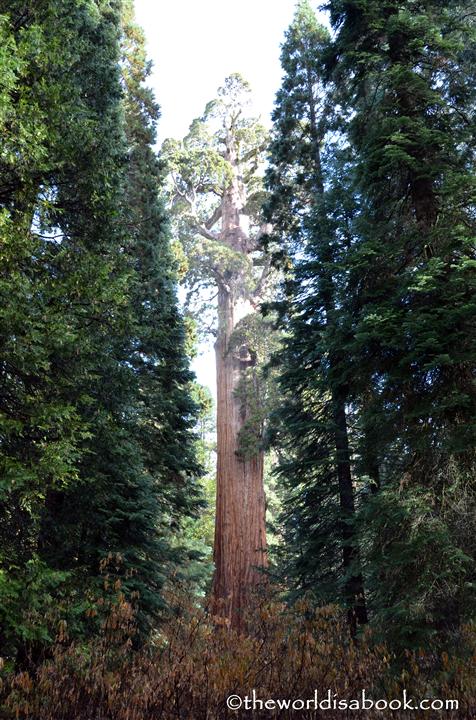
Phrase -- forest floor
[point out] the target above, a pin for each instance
(291, 663)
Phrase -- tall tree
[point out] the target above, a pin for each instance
(308, 214)
(62, 142)
(405, 72)
(96, 444)
(141, 473)
(216, 193)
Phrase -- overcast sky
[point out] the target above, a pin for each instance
(194, 45)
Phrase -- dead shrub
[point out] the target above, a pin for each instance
(195, 662)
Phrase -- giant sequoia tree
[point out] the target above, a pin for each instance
(216, 193)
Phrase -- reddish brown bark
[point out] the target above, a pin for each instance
(240, 534)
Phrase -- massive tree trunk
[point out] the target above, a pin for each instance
(225, 168)
(240, 537)
(240, 534)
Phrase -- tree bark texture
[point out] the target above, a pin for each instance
(240, 531)
(354, 585)
(240, 535)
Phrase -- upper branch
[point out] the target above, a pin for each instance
(214, 218)
(261, 284)
(204, 231)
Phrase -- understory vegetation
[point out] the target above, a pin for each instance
(194, 663)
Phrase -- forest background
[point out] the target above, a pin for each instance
(330, 257)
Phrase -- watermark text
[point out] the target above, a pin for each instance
(332, 702)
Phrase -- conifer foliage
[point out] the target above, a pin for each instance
(96, 449)
(411, 271)
(304, 208)
(373, 203)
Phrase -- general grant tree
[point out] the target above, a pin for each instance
(216, 201)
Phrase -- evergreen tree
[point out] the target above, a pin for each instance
(142, 471)
(160, 351)
(97, 451)
(312, 426)
(405, 72)
(57, 216)
(216, 198)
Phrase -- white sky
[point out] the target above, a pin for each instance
(195, 45)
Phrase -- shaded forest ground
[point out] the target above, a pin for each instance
(190, 668)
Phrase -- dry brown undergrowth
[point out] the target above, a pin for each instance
(194, 664)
